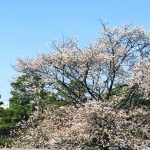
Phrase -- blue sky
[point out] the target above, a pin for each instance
(27, 26)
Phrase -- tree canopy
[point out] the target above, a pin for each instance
(119, 54)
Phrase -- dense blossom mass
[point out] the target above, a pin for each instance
(120, 54)
(94, 125)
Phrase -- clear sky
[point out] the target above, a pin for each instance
(27, 26)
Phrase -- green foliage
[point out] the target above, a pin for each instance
(20, 93)
(54, 100)
(129, 96)
(141, 134)
(10, 116)
(5, 141)
(120, 89)
(72, 92)
(20, 109)
(7, 123)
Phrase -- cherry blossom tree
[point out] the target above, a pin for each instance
(119, 54)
